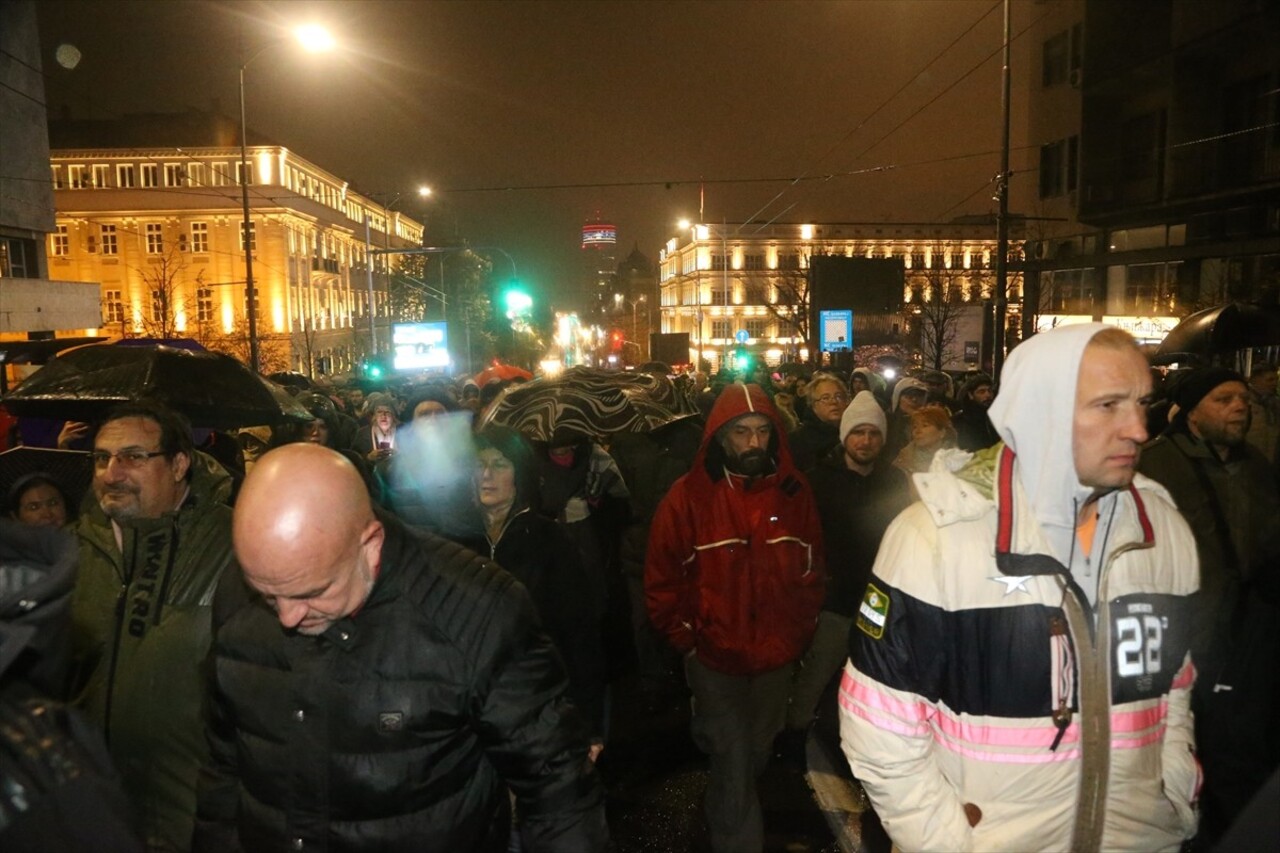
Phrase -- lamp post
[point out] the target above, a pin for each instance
(314, 39)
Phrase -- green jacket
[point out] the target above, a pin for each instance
(141, 632)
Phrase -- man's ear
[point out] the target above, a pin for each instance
(371, 539)
(181, 464)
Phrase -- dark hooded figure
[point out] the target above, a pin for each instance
(974, 430)
(58, 789)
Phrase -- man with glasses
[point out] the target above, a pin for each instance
(153, 544)
(819, 431)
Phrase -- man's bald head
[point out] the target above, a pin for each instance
(306, 536)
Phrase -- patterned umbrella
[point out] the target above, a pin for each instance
(582, 401)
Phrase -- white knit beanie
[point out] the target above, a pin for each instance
(863, 410)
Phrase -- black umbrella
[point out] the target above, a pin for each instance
(1220, 330)
(596, 403)
(212, 390)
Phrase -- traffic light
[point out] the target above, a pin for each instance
(615, 340)
(741, 360)
(372, 369)
(516, 300)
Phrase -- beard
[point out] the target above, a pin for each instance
(750, 463)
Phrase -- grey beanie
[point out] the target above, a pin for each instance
(863, 410)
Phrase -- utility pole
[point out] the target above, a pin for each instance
(1002, 218)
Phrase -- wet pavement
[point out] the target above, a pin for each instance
(655, 775)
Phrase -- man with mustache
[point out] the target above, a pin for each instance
(734, 578)
(153, 544)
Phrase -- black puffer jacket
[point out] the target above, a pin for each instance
(401, 728)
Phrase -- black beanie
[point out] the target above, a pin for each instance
(1191, 388)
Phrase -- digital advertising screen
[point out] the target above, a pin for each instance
(420, 346)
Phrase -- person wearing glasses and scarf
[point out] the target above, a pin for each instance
(819, 430)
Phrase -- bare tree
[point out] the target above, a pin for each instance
(791, 304)
(167, 292)
(938, 305)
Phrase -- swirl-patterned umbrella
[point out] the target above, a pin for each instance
(586, 402)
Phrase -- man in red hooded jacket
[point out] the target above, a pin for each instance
(734, 580)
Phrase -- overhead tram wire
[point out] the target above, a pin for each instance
(867, 118)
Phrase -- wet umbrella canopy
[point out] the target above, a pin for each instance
(597, 403)
(1220, 330)
(212, 390)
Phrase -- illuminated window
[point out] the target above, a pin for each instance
(78, 177)
(126, 176)
(112, 307)
(151, 174)
(195, 174)
(252, 235)
(204, 304)
(61, 242)
(218, 174)
(174, 176)
(101, 175)
(753, 262)
(200, 237)
(240, 174)
(155, 238)
(722, 328)
(108, 235)
(57, 177)
(758, 328)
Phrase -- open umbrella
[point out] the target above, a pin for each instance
(1220, 330)
(501, 372)
(596, 403)
(212, 390)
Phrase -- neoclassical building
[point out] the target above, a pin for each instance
(159, 228)
(722, 283)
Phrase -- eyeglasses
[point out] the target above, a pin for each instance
(125, 458)
(832, 398)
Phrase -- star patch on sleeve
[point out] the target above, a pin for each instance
(874, 612)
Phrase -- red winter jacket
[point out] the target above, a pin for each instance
(734, 569)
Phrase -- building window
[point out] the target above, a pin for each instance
(252, 235)
(1055, 58)
(112, 307)
(110, 246)
(789, 261)
(218, 175)
(77, 177)
(174, 175)
(159, 300)
(241, 173)
(722, 328)
(17, 257)
(200, 237)
(61, 242)
(717, 262)
(757, 328)
(204, 304)
(155, 238)
(101, 175)
(125, 176)
(753, 262)
(1067, 292)
(1142, 146)
(1073, 163)
(1051, 169)
(1149, 289)
(151, 174)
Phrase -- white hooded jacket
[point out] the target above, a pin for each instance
(981, 672)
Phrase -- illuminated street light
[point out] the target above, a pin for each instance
(424, 191)
(313, 38)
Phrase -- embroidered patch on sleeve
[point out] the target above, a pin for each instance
(873, 613)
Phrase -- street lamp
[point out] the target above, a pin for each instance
(313, 38)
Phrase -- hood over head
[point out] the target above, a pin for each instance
(1034, 413)
(906, 383)
(875, 382)
(733, 402)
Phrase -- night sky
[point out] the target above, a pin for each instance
(528, 117)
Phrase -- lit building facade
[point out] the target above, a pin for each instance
(160, 229)
(599, 266)
(759, 296)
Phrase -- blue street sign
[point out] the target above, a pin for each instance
(741, 336)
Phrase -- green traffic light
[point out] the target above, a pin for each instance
(517, 301)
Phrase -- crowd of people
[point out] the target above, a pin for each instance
(1034, 615)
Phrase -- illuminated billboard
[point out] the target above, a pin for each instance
(599, 234)
(420, 346)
